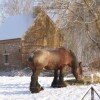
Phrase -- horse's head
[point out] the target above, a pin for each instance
(76, 67)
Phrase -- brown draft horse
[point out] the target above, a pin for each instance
(57, 59)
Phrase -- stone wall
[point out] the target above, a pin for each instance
(10, 54)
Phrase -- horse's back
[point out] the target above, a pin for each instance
(47, 58)
(40, 57)
(51, 58)
(65, 57)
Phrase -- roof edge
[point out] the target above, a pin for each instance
(10, 39)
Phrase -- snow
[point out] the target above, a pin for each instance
(17, 88)
(15, 26)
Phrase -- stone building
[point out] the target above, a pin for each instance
(22, 34)
(10, 54)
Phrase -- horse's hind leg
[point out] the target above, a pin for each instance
(61, 82)
(55, 80)
(34, 85)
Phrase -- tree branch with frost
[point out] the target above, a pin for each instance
(96, 16)
(91, 38)
(13, 7)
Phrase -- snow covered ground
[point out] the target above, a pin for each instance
(17, 88)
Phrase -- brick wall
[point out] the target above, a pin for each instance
(10, 54)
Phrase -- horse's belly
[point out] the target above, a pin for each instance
(50, 65)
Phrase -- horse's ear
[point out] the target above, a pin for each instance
(80, 63)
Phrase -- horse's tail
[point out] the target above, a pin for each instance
(30, 58)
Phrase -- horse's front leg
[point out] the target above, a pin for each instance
(61, 82)
(55, 80)
(34, 85)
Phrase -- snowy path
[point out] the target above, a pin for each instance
(17, 88)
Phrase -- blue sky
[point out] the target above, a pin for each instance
(15, 26)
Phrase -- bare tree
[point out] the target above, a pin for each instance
(79, 21)
(13, 7)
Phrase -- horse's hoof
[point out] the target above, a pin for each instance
(54, 86)
(35, 89)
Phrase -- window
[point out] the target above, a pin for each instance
(6, 58)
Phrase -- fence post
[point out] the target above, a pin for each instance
(92, 93)
(93, 90)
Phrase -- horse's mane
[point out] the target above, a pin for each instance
(75, 61)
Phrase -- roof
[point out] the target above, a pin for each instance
(15, 26)
(9, 40)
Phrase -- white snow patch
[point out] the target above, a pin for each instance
(17, 88)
